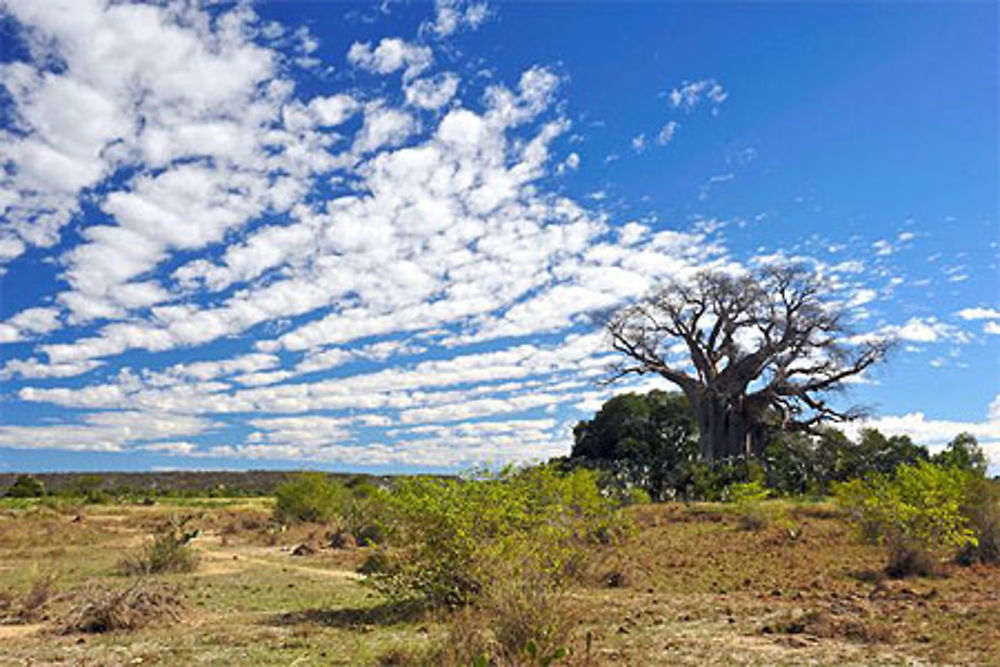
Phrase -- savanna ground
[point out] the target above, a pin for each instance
(690, 586)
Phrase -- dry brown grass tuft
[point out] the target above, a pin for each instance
(32, 606)
(104, 610)
(907, 559)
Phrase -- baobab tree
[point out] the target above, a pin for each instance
(763, 348)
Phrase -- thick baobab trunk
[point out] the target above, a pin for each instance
(724, 429)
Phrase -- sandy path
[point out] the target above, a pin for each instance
(225, 560)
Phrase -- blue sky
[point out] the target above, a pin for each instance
(368, 236)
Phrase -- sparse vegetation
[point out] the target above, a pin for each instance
(169, 551)
(29, 607)
(682, 587)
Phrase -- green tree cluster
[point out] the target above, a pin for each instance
(644, 440)
(26, 486)
(650, 441)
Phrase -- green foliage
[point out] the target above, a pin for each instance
(642, 440)
(309, 496)
(748, 502)
(876, 452)
(452, 535)
(650, 441)
(799, 464)
(89, 487)
(364, 512)
(170, 551)
(982, 507)
(964, 453)
(26, 486)
(793, 464)
(743, 494)
(916, 509)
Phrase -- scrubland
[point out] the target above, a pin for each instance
(667, 583)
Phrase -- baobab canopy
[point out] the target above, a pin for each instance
(743, 348)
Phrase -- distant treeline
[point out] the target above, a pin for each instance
(219, 483)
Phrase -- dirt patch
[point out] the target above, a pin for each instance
(826, 624)
(20, 631)
(224, 560)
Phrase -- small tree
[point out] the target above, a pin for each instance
(773, 342)
(878, 453)
(964, 453)
(309, 496)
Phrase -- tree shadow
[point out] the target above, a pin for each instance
(385, 614)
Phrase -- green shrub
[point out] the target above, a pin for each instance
(170, 551)
(982, 507)
(364, 513)
(309, 496)
(89, 487)
(26, 486)
(451, 535)
(963, 452)
(748, 502)
(915, 512)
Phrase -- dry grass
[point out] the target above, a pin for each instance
(132, 608)
(30, 607)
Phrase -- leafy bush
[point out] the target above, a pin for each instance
(309, 496)
(982, 507)
(915, 512)
(451, 535)
(26, 486)
(364, 513)
(89, 487)
(170, 551)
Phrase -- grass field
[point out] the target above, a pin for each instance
(690, 587)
